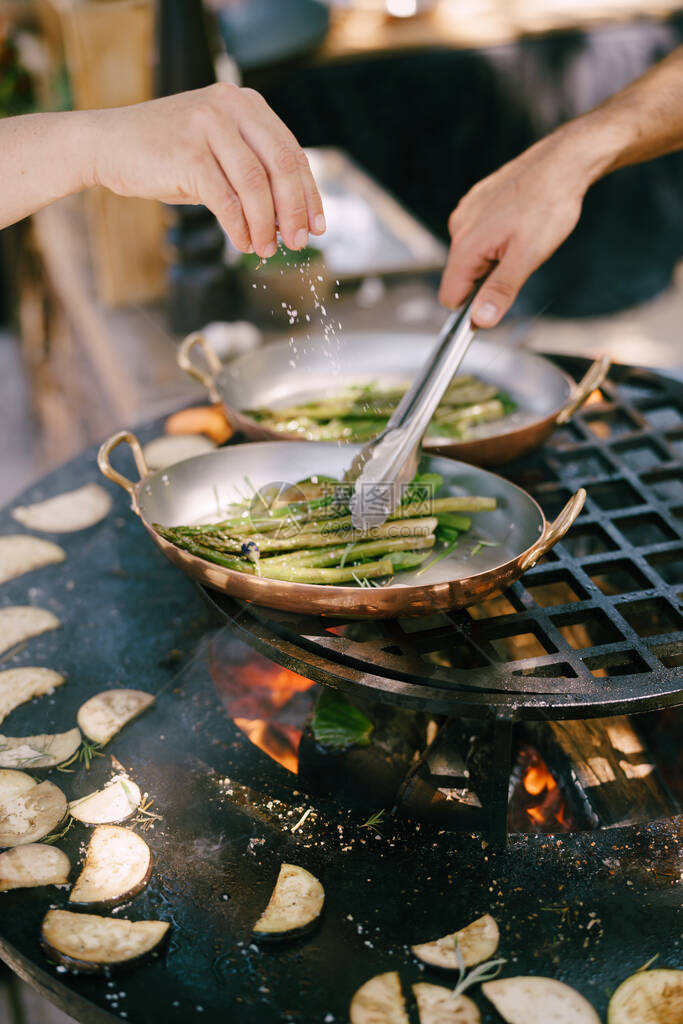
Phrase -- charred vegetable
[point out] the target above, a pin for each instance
(66, 513)
(539, 1001)
(36, 864)
(360, 412)
(20, 553)
(168, 449)
(18, 685)
(21, 622)
(117, 802)
(104, 715)
(30, 812)
(294, 906)
(118, 865)
(439, 1005)
(379, 1001)
(475, 943)
(14, 784)
(91, 944)
(648, 997)
(313, 541)
(45, 751)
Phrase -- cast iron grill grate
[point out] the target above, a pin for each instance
(595, 629)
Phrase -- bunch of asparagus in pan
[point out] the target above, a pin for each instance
(360, 412)
(312, 539)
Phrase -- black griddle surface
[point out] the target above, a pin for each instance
(588, 909)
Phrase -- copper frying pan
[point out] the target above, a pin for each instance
(274, 376)
(195, 490)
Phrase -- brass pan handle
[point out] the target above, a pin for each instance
(186, 363)
(108, 470)
(554, 531)
(592, 379)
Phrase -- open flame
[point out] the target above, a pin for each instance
(539, 795)
(268, 703)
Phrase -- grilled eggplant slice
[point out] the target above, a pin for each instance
(13, 784)
(104, 715)
(91, 944)
(44, 751)
(21, 622)
(29, 816)
(20, 553)
(294, 906)
(117, 866)
(439, 1005)
(66, 513)
(17, 685)
(532, 1000)
(477, 942)
(117, 802)
(165, 451)
(379, 1001)
(36, 864)
(648, 997)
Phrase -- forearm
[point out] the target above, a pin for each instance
(643, 121)
(43, 157)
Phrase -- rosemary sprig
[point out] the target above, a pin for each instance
(443, 554)
(56, 836)
(483, 544)
(85, 754)
(648, 963)
(374, 821)
(145, 818)
(482, 972)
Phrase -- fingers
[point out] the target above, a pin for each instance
(501, 287)
(297, 200)
(314, 203)
(463, 269)
(248, 177)
(215, 192)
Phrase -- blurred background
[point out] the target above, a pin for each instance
(404, 105)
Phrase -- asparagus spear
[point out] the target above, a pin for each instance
(350, 553)
(307, 574)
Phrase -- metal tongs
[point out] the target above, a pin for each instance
(387, 464)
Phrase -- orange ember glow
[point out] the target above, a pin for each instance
(548, 809)
(281, 742)
(268, 704)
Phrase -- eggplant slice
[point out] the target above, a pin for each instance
(294, 906)
(28, 866)
(13, 784)
(20, 553)
(68, 512)
(105, 714)
(439, 1005)
(532, 1000)
(21, 622)
(117, 802)
(648, 997)
(47, 750)
(118, 865)
(477, 942)
(32, 815)
(18, 685)
(91, 944)
(166, 450)
(379, 1001)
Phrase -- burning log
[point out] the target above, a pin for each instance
(607, 766)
